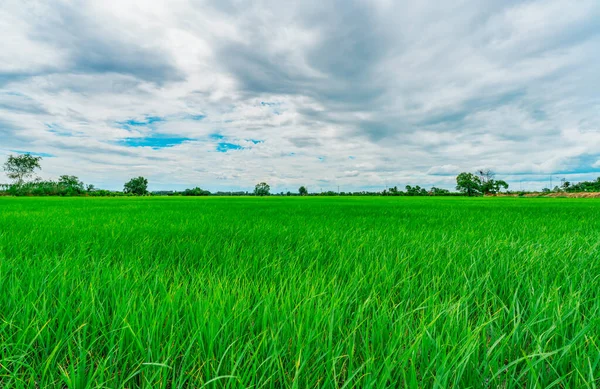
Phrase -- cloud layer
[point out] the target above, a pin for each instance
(360, 94)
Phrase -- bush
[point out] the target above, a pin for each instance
(195, 192)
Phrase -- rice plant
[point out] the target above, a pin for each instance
(299, 293)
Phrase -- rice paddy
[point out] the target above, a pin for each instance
(299, 293)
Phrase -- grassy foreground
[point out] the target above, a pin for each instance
(299, 293)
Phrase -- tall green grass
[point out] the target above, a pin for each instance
(299, 293)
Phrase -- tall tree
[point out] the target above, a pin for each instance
(303, 191)
(262, 189)
(468, 183)
(499, 185)
(20, 167)
(71, 184)
(486, 179)
(137, 186)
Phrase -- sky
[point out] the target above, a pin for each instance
(224, 94)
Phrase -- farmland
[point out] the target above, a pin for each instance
(299, 292)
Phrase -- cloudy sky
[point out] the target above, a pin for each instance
(223, 94)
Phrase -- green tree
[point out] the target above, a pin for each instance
(438, 191)
(20, 167)
(303, 191)
(486, 180)
(197, 191)
(489, 185)
(468, 183)
(262, 189)
(415, 191)
(394, 191)
(71, 185)
(137, 186)
(499, 185)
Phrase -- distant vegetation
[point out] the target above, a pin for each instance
(21, 170)
(137, 186)
(584, 186)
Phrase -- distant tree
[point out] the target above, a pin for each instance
(486, 175)
(20, 167)
(90, 188)
(489, 185)
(137, 186)
(71, 185)
(584, 186)
(394, 191)
(415, 191)
(468, 183)
(438, 191)
(498, 185)
(546, 190)
(486, 180)
(303, 191)
(196, 192)
(262, 189)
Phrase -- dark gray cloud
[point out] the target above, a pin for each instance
(94, 46)
(340, 67)
(304, 141)
(16, 102)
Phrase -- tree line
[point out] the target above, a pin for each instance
(21, 169)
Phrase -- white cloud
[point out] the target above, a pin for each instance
(352, 93)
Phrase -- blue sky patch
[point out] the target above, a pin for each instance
(255, 141)
(216, 136)
(57, 130)
(195, 117)
(154, 142)
(224, 147)
(43, 155)
(148, 121)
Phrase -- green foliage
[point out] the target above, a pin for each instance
(303, 191)
(20, 167)
(499, 185)
(42, 188)
(468, 183)
(299, 292)
(438, 191)
(488, 184)
(393, 191)
(416, 191)
(481, 183)
(137, 186)
(71, 185)
(262, 189)
(195, 192)
(584, 186)
(66, 186)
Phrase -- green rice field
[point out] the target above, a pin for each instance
(299, 292)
